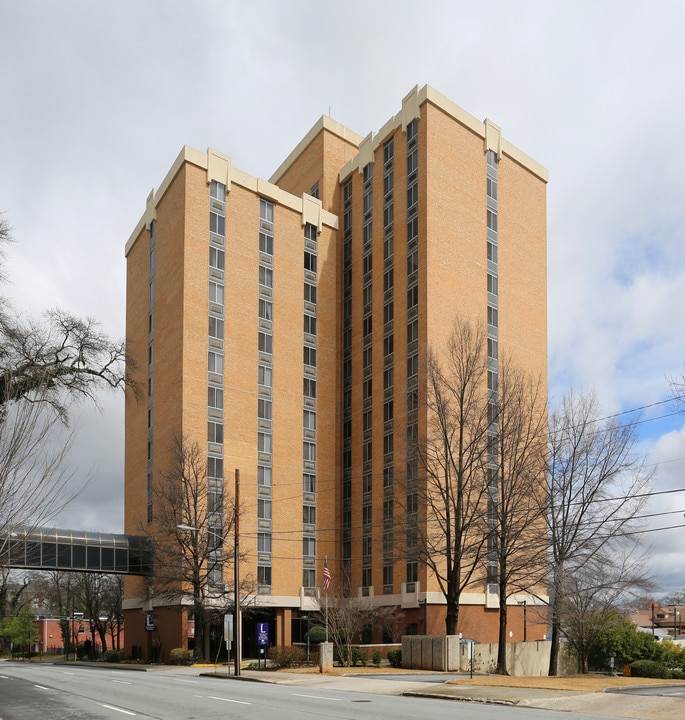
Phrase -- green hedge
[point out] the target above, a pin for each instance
(395, 658)
(649, 669)
(180, 656)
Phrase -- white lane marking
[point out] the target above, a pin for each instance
(112, 707)
(122, 682)
(64, 672)
(192, 682)
(239, 702)
(41, 687)
(4, 677)
(318, 697)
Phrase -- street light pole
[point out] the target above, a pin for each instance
(236, 573)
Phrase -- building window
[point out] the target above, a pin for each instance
(309, 451)
(412, 262)
(264, 476)
(263, 509)
(266, 243)
(216, 293)
(265, 342)
(217, 224)
(264, 375)
(309, 420)
(412, 365)
(388, 378)
(388, 279)
(215, 397)
(388, 411)
(412, 297)
(367, 451)
(266, 276)
(310, 293)
(492, 316)
(367, 388)
(215, 362)
(215, 467)
(310, 324)
(309, 577)
(215, 432)
(263, 575)
(387, 444)
(309, 261)
(264, 442)
(264, 409)
(309, 388)
(309, 482)
(309, 515)
(412, 331)
(216, 258)
(216, 327)
(264, 542)
(309, 546)
(366, 577)
(266, 210)
(492, 284)
(265, 310)
(309, 356)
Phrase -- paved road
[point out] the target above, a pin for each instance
(58, 692)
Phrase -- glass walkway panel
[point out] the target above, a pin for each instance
(53, 549)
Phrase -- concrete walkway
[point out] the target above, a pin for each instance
(614, 704)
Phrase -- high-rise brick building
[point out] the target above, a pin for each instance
(284, 325)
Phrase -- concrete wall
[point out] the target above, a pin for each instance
(444, 653)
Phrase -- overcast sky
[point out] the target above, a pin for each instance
(97, 99)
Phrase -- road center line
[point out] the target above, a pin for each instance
(122, 682)
(112, 707)
(240, 702)
(41, 687)
(318, 697)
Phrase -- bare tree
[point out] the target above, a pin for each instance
(44, 367)
(100, 596)
(593, 599)
(446, 507)
(517, 491)
(348, 618)
(595, 478)
(35, 480)
(191, 534)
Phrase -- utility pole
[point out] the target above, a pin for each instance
(236, 572)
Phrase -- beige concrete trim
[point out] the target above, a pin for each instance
(325, 122)
(525, 160)
(411, 109)
(311, 211)
(493, 138)
(219, 168)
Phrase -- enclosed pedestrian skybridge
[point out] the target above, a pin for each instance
(74, 550)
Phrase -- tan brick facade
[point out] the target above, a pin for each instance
(451, 281)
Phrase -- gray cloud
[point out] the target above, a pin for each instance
(100, 98)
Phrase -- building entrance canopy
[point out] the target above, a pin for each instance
(53, 549)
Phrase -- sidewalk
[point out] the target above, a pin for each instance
(624, 705)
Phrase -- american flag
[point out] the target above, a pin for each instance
(326, 575)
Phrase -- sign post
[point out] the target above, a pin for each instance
(262, 641)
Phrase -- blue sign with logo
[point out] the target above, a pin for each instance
(262, 634)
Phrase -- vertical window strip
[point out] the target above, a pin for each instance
(309, 411)
(412, 224)
(265, 323)
(492, 310)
